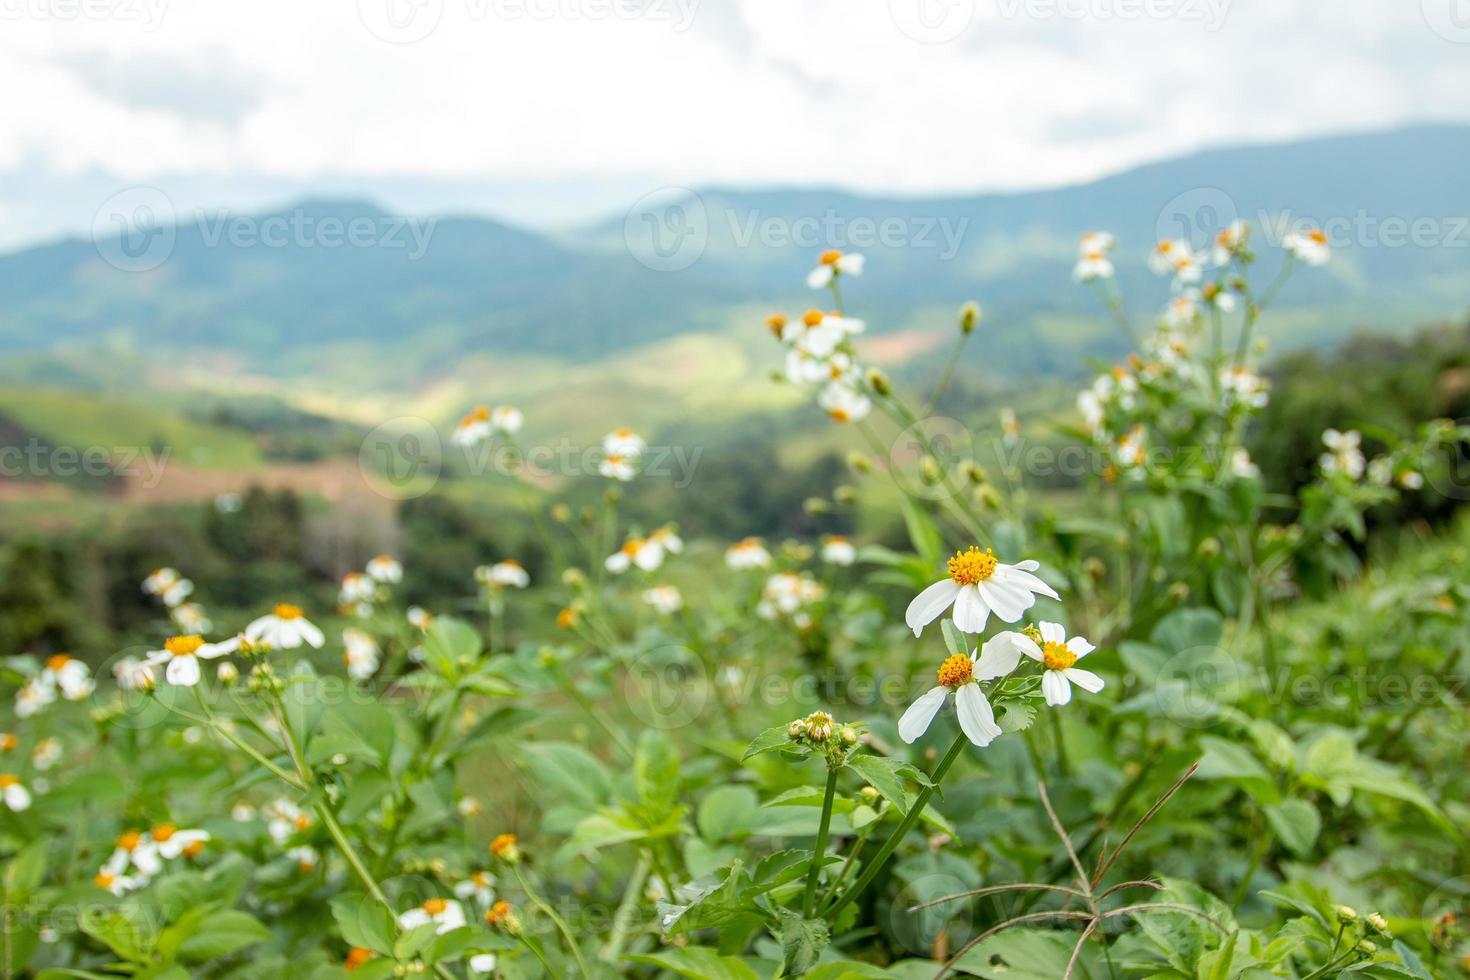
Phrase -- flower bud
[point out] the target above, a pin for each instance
(859, 462)
(1347, 913)
(227, 673)
(573, 577)
(1209, 547)
(1178, 592)
(1379, 923)
(869, 794)
(561, 513)
(973, 472)
(848, 735)
(505, 847)
(1367, 947)
(819, 726)
(796, 731)
(501, 916)
(879, 382)
(969, 317)
(930, 470)
(815, 505)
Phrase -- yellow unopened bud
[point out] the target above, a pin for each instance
(573, 578)
(879, 382)
(796, 731)
(859, 462)
(1347, 913)
(1209, 547)
(1379, 923)
(969, 317)
(930, 470)
(1178, 592)
(815, 505)
(844, 494)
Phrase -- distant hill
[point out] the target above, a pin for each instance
(381, 314)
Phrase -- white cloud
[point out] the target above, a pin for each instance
(1029, 92)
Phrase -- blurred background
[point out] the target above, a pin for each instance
(256, 262)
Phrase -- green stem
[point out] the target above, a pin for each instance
(560, 923)
(623, 918)
(808, 905)
(235, 740)
(909, 819)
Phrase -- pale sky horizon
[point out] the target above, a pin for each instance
(877, 96)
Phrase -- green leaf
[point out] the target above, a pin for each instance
(656, 770)
(727, 812)
(414, 940)
(223, 933)
(365, 922)
(1188, 629)
(771, 738)
(886, 776)
(1296, 822)
(570, 772)
(25, 872)
(954, 640)
(802, 941)
(697, 963)
(451, 644)
(923, 533)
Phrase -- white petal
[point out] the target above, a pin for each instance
(413, 918)
(1085, 679)
(258, 627)
(617, 562)
(916, 719)
(819, 276)
(930, 604)
(999, 656)
(1053, 633)
(183, 671)
(977, 719)
(970, 610)
(1017, 575)
(1056, 688)
(851, 264)
(17, 797)
(1081, 646)
(311, 634)
(1009, 604)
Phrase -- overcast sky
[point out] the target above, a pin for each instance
(890, 95)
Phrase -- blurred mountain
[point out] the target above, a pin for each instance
(328, 285)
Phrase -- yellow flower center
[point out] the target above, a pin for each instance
(839, 415)
(57, 661)
(812, 317)
(129, 840)
(435, 906)
(632, 546)
(285, 610)
(1056, 656)
(183, 646)
(830, 257)
(163, 832)
(956, 670)
(8, 742)
(969, 567)
(497, 913)
(776, 322)
(193, 848)
(1318, 236)
(7, 780)
(503, 844)
(104, 880)
(481, 879)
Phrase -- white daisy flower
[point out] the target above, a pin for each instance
(831, 264)
(134, 675)
(1093, 264)
(667, 537)
(446, 913)
(480, 886)
(623, 442)
(356, 590)
(116, 883)
(1310, 246)
(473, 429)
(159, 580)
(15, 796)
(507, 574)
(962, 674)
(1345, 454)
(843, 404)
(837, 550)
(138, 850)
(977, 586)
(33, 697)
(747, 553)
(285, 628)
(70, 675)
(1244, 386)
(176, 593)
(483, 963)
(360, 653)
(190, 617)
(284, 818)
(646, 553)
(306, 858)
(174, 843)
(786, 592)
(616, 466)
(507, 419)
(183, 653)
(46, 754)
(418, 617)
(665, 599)
(1058, 655)
(1241, 465)
(1231, 241)
(385, 569)
(1096, 241)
